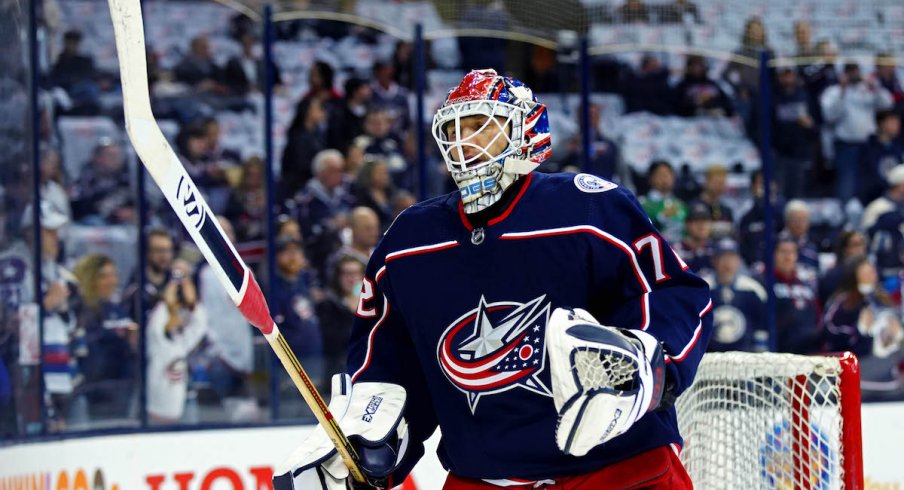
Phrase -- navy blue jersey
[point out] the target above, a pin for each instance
(458, 316)
(739, 309)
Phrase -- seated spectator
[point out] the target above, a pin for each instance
(647, 89)
(293, 309)
(111, 338)
(198, 68)
(633, 11)
(75, 73)
(376, 190)
(365, 231)
(883, 151)
(322, 207)
(102, 194)
(346, 121)
(336, 311)
(699, 95)
(887, 76)
(159, 262)
(714, 185)
(320, 85)
(193, 145)
(244, 73)
(862, 319)
(402, 201)
(175, 326)
(667, 211)
(605, 158)
(796, 134)
(696, 247)
(305, 138)
(287, 227)
(247, 206)
(391, 97)
(403, 63)
(850, 108)
(850, 244)
(797, 310)
(752, 228)
(882, 220)
(214, 150)
(52, 181)
(679, 12)
(230, 347)
(380, 144)
(797, 228)
(739, 303)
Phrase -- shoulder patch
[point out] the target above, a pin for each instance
(592, 183)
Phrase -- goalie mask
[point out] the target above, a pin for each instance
(490, 130)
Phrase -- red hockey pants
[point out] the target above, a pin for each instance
(657, 469)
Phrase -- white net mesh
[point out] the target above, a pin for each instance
(764, 421)
(598, 369)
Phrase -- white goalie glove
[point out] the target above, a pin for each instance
(370, 415)
(603, 378)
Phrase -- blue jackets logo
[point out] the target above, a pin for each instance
(479, 187)
(496, 347)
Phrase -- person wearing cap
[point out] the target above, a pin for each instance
(850, 108)
(714, 186)
(696, 247)
(882, 220)
(797, 308)
(739, 303)
(293, 304)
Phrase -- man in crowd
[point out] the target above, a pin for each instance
(739, 303)
(883, 151)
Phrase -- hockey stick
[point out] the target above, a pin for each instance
(169, 174)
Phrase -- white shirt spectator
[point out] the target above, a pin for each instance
(852, 109)
(231, 334)
(167, 372)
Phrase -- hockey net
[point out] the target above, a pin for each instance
(773, 421)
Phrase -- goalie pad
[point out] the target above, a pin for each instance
(370, 415)
(603, 378)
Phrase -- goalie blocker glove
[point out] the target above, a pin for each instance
(604, 378)
(370, 414)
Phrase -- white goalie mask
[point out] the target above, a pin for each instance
(511, 140)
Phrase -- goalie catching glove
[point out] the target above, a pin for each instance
(603, 378)
(370, 414)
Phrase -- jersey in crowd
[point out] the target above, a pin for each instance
(738, 309)
(457, 315)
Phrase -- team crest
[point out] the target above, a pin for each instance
(592, 183)
(496, 347)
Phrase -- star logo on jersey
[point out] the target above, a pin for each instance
(496, 347)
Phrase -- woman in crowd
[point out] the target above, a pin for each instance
(861, 318)
(375, 190)
(248, 202)
(111, 338)
(305, 138)
(850, 244)
(337, 311)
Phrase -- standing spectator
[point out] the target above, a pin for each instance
(391, 97)
(697, 94)
(647, 89)
(403, 64)
(739, 303)
(796, 134)
(887, 76)
(365, 231)
(696, 248)
(193, 144)
(322, 206)
(52, 181)
(337, 310)
(379, 143)
(320, 84)
(103, 194)
(752, 228)
(230, 347)
(633, 11)
(850, 244)
(605, 158)
(679, 12)
(882, 220)
(375, 190)
(111, 337)
(803, 39)
(714, 185)
(159, 261)
(745, 76)
(861, 318)
(244, 73)
(667, 211)
(851, 107)
(797, 229)
(305, 138)
(797, 309)
(293, 302)
(75, 73)
(882, 153)
(821, 75)
(347, 120)
(247, 206)
(175, 326)
(198, 68)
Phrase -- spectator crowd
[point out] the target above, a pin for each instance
(348, 169)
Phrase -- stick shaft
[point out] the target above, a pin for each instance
(180, 191)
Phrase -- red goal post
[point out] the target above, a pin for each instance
(767, 420)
